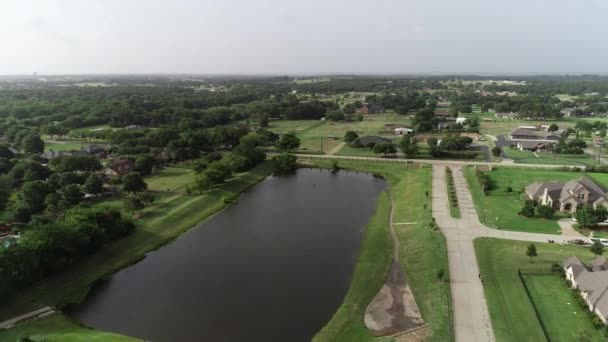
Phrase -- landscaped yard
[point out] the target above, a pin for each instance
(499, 208)
(512, 314)
(171, 179)
(422, 252)
(563, 317)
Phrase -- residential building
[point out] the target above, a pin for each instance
(569, 196)
(119, 168)
(533, 146)
(529, 134)
(592, 282)
(371, 140)
(403, 130)
(509, 115)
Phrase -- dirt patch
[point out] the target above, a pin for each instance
(393, 310)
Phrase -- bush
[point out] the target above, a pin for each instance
(528, 209)
(545, 211)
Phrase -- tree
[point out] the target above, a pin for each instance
(597, 248)
(93, 184)
(496, 151)
(586, 217)
(288, 142)
(71, 193)
(5, 190)
(553, 128)
(531, 251)
(133, 203)
(32, 144)
(144, 164)
(285, 163)
(133, 182)
(408, 145)
(545, 211)
(33, 194)
(385, 148)
(350, 136)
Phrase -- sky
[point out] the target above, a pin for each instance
(291, 37)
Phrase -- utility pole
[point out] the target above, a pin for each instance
(322, 145)
(599, 156)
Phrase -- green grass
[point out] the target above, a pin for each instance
(171, 179)
(452, 197)
(513, 317)
(560, 312)
(527, 157)
(504, 205)
(169, 216)
(59, 328)
(422, 253)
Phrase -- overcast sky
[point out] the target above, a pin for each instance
(303, 36)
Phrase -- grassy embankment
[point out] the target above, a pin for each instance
(452, 196)
(422, 252)
(173, 213)
(512, 313)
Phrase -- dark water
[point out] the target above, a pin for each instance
(273, 267)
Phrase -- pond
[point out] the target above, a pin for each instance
(274, 266)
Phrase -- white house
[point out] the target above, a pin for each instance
(403, 130)
(461, 120)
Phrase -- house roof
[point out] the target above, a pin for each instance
(595, 191)
(538, 188)
(371, 139)
(525, 132)
(599, 264)
(531, 144)
(121, 166)
(593, 281)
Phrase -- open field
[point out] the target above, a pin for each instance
(422, 253)
(168, 217)
(527, 157)
(171, 179)
(59, 328)
(513, 317)
(563, 317)
(323, 136)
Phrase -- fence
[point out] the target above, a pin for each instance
(523, 282)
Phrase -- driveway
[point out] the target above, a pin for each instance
(502, 142)
(471, 318)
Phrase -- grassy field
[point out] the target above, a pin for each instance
(323, 136)
(422, 252)
(512, 314)
(527, 157)
(171, 179)
(563, 317)
(505, 205)
(59, 328)
(169, 216)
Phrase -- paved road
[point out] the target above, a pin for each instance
(427, 161)
(471, 318)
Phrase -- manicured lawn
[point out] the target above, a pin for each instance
(563, 317)
(526, 157)
(59, 328)
(504, 205)
(169, 216)
(513, 317)
(422, 252)
(171, 179)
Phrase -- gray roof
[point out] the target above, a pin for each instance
(562, 191)
(532, 144)
(536, 189)
(594, 282)
(525, 132)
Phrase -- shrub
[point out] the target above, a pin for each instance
(545, 211)
(528, 209)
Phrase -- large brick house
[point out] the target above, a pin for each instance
(119, 168)
(591, 282)
(568, 196)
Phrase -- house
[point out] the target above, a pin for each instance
(442, 112)
(93, 149)
(133, 127)
(529, 134)
(533, 146)
(461, 120)
(509, 115)
(50, 155)
(371, 140)
(568, 111)
(591, 282)
(403, 131)
(119, 168)
(569, 196)
(371, 109)
(443, 104)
